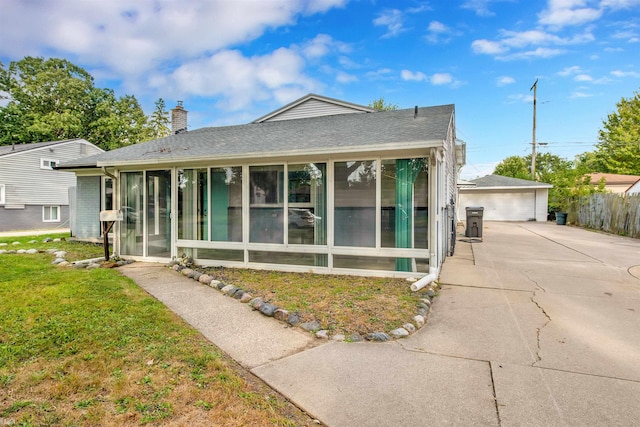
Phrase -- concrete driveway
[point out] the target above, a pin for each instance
(536, 325)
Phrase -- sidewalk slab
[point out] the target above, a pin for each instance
(374, 384)
(244, 334)
(530, 396)
(481, 324)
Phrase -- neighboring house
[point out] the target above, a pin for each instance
(505, 199)
(319, 185)
(613, 182)
(33, 195)
(634, 189)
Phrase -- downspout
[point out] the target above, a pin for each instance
(115, 180)
(110, 175)
(426, 280)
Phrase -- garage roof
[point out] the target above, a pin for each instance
(499, 182)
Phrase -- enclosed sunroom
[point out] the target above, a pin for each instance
(320, 185)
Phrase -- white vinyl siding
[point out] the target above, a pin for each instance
(1, 194)
(28, 183)
(312, 108)
(51, 214)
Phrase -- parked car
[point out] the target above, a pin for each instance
(301, 218)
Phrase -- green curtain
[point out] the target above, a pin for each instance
(219, 206)
(320, 210)
(406, 173)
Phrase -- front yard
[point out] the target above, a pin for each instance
(89, 347)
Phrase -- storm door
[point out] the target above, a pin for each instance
(158, 213)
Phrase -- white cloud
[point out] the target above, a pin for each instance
(561, 13)
(583, 78)
(578, 94)
(480, 7)
(319, 6)
(342, 77)
(411, 76)
(620, 4)
(437, 32)
(322, 45)
(505, 80)
(528, 98)
(441, 79)
(620, 73)
(487, 47)
(567, 71)
(393, 20)
(239, 80)
(381, 73)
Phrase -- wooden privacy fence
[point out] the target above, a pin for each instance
(612, 213)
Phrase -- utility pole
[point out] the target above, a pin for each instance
(533, 138)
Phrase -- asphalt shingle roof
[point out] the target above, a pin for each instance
(505, 181)
(324, 134)
(18, 148)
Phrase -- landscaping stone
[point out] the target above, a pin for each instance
(60, 254)
(256, 303)
(79, 265)
(281, 314)
(32, 251)
(311, 326)
(177, 267)
(3, 244)
(238, 294)
(57, 261)
(422, 312)
(47, 240)
(221, 286)
(205, 279)
(355, 338)
(338, 337)
(377, 337)
(51, 251)
(57, 239)
(22, 251)
(214, 283)
(409, 327)
(186, 271)
(426, 301)
(268, 309)
(430, 292)
(11, 251)
(3, 251)
(399, 333)
(246, 298)
(33, 241)
(323, 334)
(294, 319)
(227, 289)
(93, 266)
(418, 320)
(15, 243)
(64, 264)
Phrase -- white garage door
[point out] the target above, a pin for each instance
(501, 205)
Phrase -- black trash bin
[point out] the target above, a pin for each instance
(474, 222)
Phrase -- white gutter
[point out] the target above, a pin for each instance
(426, 280)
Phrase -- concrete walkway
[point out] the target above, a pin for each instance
(537, 324)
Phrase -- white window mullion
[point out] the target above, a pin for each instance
(330, 214)
(378, 203)
(246, 189)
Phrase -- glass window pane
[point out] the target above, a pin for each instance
(266, 213)
(226, 204)
(307, 204)
(159, 213)
(192, 204)
(355, 203)
(288, 258)
(131, 226)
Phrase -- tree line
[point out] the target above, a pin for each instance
(53, 99)
(617, 152)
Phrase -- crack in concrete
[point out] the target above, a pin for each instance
(495, 395)
(542, 310)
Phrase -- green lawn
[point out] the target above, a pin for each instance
(90, 348)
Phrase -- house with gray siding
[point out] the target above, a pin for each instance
(33, 194)
(319, 185)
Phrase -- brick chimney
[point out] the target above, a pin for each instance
(178, 119)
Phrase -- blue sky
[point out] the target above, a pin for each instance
(233, 61)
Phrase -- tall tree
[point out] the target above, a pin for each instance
(618, 149)
(52, 99)
(514, 167)
(381, 104)
(159, 120)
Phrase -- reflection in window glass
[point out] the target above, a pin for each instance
(131, 189)
(307, 216)
(266, 215)
(192, 204)
(355, 203)
(226, 204)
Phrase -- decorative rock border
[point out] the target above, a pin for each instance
(60, 255)
(188, 269)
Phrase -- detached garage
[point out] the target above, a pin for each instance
(505, 199)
